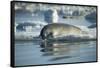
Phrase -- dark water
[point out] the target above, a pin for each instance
(36, 53)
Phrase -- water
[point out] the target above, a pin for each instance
(37, 53)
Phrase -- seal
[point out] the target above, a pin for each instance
(56, 30)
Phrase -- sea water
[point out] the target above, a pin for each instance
(32, 52)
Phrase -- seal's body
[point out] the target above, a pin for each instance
(56, 30)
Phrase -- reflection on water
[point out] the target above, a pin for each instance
(58, 48)
(33, 53)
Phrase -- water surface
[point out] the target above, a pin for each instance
(36, 53)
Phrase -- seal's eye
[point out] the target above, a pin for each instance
(50, 35)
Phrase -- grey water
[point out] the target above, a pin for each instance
(37, 53)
